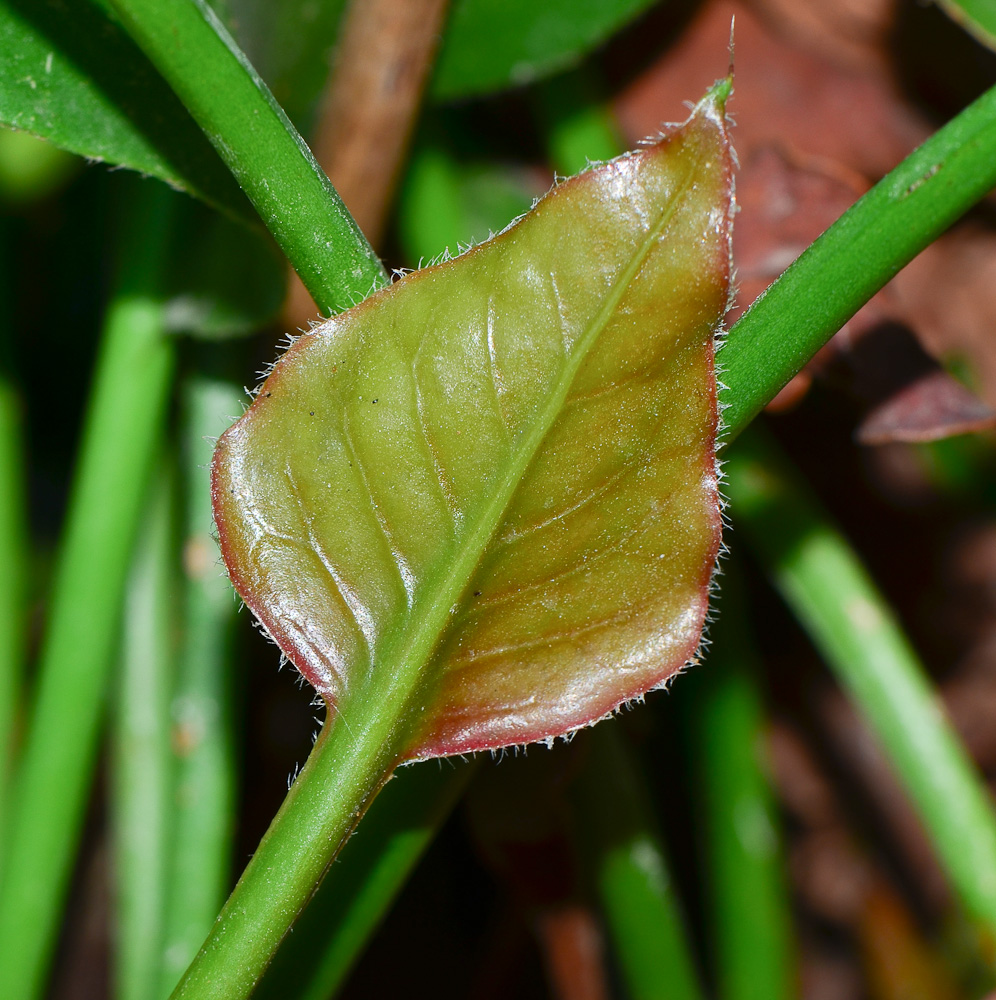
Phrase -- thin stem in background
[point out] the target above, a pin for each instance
(749, 916)
(203, 740)
(13, 559)
(383, 59)
(123, 422)
(14, 534)
(187, 43)
(630, 873)
(142, 773)
(873, 240)
(822, 580)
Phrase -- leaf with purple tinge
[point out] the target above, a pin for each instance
(485, 500)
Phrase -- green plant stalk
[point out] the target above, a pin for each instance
(13, 559)
(749, 911)
(205, 767)
(822, 580)
(195, 54)
(121, 433)
(873, 240)
(142, 772)
(14, 534)
(354, 755)
(313, 962)
(629, 868)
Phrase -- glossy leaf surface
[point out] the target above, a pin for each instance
(486, 497)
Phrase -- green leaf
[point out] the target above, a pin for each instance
(977, 17)
(72, 76)
(482, 505)
(493, 44)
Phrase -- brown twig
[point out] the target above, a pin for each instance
(385, 51)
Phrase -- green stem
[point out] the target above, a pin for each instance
(142, 772)
(873, 240)
(826, 586)
(193, 51)
(641, 907)
(14, 535)
(13, 559)
(749, 914)
(314, 961)
(121, 433)
(204, 797)
(353, 757)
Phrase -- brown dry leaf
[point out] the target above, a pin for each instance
(820, 119)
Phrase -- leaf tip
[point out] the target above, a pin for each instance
(719, 93)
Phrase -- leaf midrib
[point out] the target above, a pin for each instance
(398, 674)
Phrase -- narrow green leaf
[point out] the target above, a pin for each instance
(826, 586)
(493, 44)
(642, 908)
(122, 429)
(203, 740)
(142, 770)
(72, 76)
(410, 504)
(314, 961)
(14, 548)
(749, 916)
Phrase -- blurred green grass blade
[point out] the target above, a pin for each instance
(977, 17)
(446, 204)
(203, 738)
(579, 127)
(493, 44)
(431, 216)
(142, 759)
(13, 559)
(315, 959)
(630, 873)
(878, 236)
(72, 76)
(750, 921)
(122, 427)
(824, 583)
(229, 281)
(295, 199)
(14, 541)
